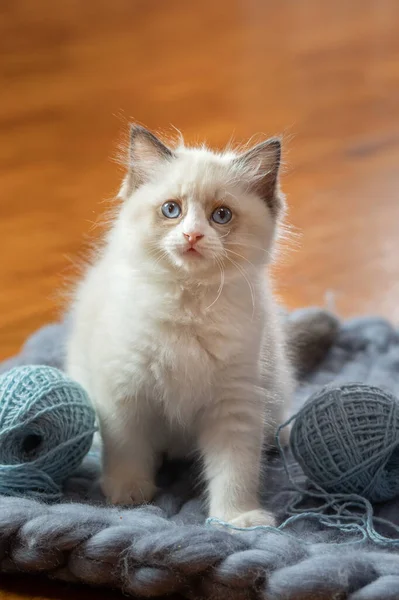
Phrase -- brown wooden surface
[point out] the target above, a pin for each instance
(72, 73)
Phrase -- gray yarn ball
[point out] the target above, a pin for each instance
(346, 439)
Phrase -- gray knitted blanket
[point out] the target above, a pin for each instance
(157, 550)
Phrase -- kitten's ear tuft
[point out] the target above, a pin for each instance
(261, 166)
(146, 154)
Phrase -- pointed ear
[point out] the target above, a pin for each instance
(146, 154)
(260, 166)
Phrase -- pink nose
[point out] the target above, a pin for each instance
(193, 238)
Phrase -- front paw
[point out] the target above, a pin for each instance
(253, 518)
(139, 491)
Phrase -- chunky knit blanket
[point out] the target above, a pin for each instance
(166, 548)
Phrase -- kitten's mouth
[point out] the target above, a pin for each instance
(192, 252)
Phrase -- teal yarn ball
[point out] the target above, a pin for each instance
(346, 440)
(46, 428)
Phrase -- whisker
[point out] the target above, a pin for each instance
(156, 252)
(242, 271)
(220, 265)
(240, 256)
(248, 246)
(161, 254)
(232, 195)
(225, 235)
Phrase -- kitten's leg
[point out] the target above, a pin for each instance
(278, 385)
(128, 454)
(278, 412)
(231, 439)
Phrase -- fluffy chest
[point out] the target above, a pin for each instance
(188, 355)
(184, 350)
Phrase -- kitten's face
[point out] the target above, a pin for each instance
(198, 215)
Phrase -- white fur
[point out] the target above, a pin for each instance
(182, 352)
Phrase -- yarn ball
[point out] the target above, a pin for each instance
(346, 440)
(46, 429)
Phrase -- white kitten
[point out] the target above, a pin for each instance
(175, 334)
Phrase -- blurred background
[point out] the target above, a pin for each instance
(323, 74)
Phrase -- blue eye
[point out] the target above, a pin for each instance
(222, 215)
(171, 210)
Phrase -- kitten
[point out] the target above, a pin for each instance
(175, 333)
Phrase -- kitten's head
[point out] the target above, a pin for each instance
(197, 212)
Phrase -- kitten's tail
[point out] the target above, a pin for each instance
(310, 333)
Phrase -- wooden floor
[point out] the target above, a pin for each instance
(324, 74)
